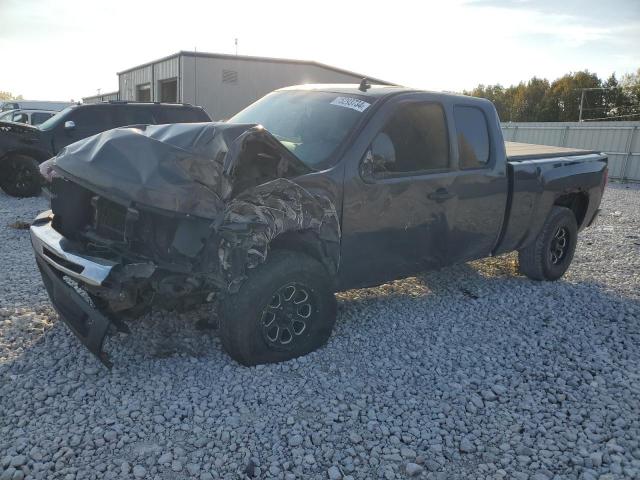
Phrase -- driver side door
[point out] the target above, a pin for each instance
(397, 209)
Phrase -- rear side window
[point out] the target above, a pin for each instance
(134, 115)
(473, 137)
(20, 117)
(181, 115)
(94, 118)
(39, 117)
(419, 136)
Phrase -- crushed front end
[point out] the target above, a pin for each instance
(167, 216)
(102, 262)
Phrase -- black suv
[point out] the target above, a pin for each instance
(23, 147)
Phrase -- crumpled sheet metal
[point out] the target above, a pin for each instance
(155, 165)
(265, 212)
(238, 176)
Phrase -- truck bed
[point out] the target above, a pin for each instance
(517, 152)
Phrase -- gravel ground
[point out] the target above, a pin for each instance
(469, 372)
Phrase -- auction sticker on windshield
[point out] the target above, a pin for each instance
(349, 102)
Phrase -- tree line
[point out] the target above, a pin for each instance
(539, 100)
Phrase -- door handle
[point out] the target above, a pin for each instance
(440, 195)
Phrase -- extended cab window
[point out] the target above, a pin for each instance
(419, 140)
(473, 137)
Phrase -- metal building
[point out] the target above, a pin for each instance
(102, 97)
(223, 84)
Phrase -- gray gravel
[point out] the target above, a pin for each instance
(469, 372)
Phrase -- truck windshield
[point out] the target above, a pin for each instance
(310, 124)
(55, 120)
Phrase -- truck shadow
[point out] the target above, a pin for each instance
(475, 289)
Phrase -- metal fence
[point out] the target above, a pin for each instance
(619, 140)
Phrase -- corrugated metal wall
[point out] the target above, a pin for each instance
(224, 86)
(619, 140)
(130, 80)
(150, 74)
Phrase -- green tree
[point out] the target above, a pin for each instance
(559, 101)
(630, 84)
(496, 94)
(9, 96)
(615, 102)
(565, 94)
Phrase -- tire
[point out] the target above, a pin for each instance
(549, 257)
(290, 292)
(20, 176)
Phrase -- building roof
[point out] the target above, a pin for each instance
(105, 94)
(225, 56)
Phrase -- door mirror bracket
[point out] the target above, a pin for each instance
(380, 157)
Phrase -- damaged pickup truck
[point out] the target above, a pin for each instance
(309, 191)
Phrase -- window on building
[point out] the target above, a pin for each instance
(143, 92)
(38, 117)
(419, 136)
(473, 137)
(169, 90)
(230, 76)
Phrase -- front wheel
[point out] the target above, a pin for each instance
(549, 257)
(284, 309)
(21, 176)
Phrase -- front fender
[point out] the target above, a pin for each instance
(254, 219)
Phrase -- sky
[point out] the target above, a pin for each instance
(67, 49)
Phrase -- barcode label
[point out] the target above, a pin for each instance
(349, 102)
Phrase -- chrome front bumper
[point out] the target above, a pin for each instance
(59, 253)
(56, 258)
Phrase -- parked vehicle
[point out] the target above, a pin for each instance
(308, 191)
(31, 117)
(33, 105)
(23, 147)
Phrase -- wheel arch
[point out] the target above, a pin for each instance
(37, 155)
(308, 242)
(577, 202)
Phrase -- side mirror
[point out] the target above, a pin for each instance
(69, 125)
(380, 157)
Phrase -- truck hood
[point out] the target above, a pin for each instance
(238, 178)
(184, 168)
(20, 130)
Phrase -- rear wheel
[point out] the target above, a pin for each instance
(549, 257)
(284, 309)
(21, 176)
